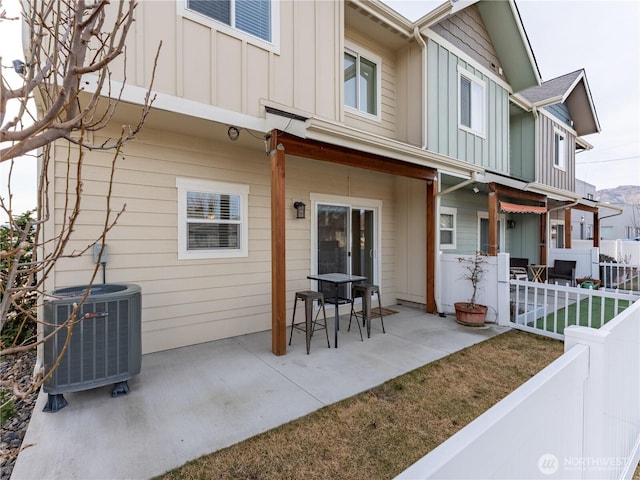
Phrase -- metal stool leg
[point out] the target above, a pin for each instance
(293, 320)
(354, 314)
(326, 329)
(380, 307)
(308, 319)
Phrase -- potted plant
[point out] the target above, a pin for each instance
(471, 313)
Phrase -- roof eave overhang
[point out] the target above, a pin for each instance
(387, 15)
(505, 27)
(583, 144)
(552, 192)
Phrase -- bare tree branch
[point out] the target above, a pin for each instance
(72, 43)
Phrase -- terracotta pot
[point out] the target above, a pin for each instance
(470, 316)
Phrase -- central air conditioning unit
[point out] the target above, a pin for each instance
(105, 345)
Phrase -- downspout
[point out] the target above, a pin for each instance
(423, 103)
(436, 267)
(536, 173)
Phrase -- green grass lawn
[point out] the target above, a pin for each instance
(571, 314)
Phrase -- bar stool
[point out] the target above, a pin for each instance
(309, 324)
(365, 291)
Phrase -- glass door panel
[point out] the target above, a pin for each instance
(363, 248)
(333, 243)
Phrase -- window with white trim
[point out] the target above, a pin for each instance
(212, 219)
(447, 228)
(471, 103)
(251, 16)
(559, 150)
(362, 82)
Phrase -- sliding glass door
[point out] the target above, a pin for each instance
(346, 242)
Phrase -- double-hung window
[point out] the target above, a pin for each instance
(250, 16)
(362, 82)
(472, 102)
(212, 219)
(559, 150)
(447, 228)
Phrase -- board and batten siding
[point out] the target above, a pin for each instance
(522, 145)
(185, 302)
(548, 174)
(444, 134)
(206, 63)
(466, 31)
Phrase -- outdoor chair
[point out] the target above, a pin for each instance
(518, 268)
(309, 324)
(365, 291)
(562, 270)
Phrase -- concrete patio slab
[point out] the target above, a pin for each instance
(195, 400)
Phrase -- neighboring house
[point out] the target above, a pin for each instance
(402, 139)
(622, 225)
(556, 115)
(582, 222)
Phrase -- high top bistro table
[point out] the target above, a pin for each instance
(337, 279)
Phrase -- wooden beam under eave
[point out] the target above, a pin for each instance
(278, 252)
(432, 190)
(493, 224)
(567, 227)
(327, 152)
(504, 191)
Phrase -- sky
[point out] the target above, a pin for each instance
(601, 36)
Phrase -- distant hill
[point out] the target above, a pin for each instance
(624, 194)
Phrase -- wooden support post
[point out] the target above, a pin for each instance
(493, 223)
(567, 228)
(278, 264)
(596, 230)
(432, 190)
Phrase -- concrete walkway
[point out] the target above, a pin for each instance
(195, 400)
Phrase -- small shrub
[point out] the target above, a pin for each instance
(7, 406)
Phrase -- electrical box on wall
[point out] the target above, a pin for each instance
(97, 258)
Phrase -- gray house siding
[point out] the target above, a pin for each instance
(444, 134)
(522, 146)
(467, 31)
(548, 174)
(561, 112)
(522, 241)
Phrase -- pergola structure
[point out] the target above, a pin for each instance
(282, 144)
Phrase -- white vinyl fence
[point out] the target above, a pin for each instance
(624, 276)
(547, 309)
(578, 418)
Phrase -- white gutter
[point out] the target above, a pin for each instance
(436, 266)
(423, 103)
(620, 210)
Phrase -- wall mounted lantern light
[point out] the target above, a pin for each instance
(299, 206)
(475, 189)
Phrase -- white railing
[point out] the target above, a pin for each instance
(547, 309)
(577, 418)
(620, 275)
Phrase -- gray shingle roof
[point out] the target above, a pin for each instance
(556, 87)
